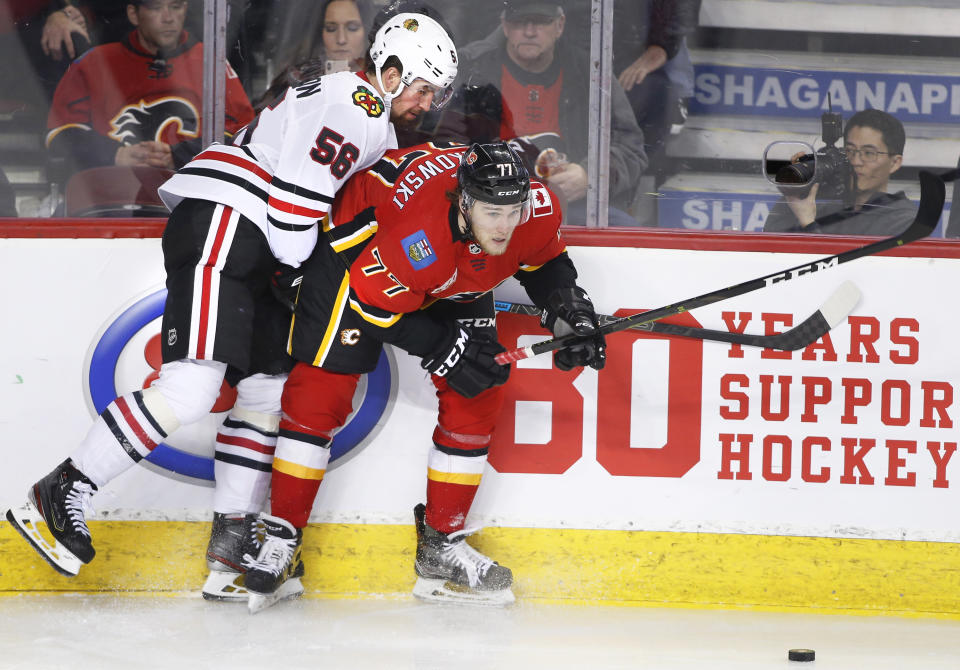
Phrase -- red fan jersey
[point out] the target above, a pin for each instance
(121, 92)
(418, 254)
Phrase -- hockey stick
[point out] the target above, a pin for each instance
(815, 326)
(932, 194)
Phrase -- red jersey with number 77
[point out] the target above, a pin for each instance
(417, 253)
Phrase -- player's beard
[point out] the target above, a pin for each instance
(407, 123)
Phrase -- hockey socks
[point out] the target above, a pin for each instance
(244, 448)
(127, 430)
(453, 476)
(315, 403)
(298, 468)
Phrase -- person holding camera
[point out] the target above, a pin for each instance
(873, 146)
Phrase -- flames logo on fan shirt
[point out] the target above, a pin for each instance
(363, 97)
(146, 121)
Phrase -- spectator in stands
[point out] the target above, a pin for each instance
(651, 62)
(873, 143)
(533, 88)
(345, 24)
(65, 29)
(343, 45)
(138, 102)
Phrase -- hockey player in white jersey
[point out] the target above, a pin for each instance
(242, 219)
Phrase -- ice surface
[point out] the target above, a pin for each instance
(184, 631)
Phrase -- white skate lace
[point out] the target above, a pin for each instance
(458, 552)
(275, 553)
(77, 503)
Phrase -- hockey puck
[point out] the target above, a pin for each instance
(801, 655)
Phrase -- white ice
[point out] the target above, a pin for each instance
(184, 631)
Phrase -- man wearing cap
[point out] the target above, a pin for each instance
(533, 85)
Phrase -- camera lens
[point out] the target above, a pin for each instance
(797, 174)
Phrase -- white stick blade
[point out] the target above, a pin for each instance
(841, 303)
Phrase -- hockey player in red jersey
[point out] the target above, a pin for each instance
(139, 101)
(417, 270)
(242, 219)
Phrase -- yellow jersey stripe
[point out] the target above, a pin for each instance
(297, 470)
(453, 477)
(56, 131)
(334, 322)
(356, 238)
(381, 322)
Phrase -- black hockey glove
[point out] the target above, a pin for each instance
(285, 284)
(466, 361)
(570, 312)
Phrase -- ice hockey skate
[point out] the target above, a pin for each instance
(450, 570)
(231, 537)
(274, 574)
(60, 501)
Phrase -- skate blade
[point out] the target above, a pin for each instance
(439, 590)
(25, 519)
(225, 587)
(292, 588)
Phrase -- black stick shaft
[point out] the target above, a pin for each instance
(932, 195)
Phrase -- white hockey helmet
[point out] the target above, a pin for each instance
(424, 50)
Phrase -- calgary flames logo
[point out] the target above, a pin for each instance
(412, 25)
(147, 121)
(371, 104)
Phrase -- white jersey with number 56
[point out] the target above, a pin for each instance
(283, 170)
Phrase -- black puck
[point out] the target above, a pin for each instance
(801, 654)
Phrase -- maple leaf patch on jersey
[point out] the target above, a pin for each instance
(541, 201)
(365, 98)
(418, 250)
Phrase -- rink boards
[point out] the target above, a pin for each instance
(684, 473)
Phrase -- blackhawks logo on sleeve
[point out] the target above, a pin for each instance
(365, 98)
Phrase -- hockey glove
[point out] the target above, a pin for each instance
(570, 312)
(466, 361)
(285, 284)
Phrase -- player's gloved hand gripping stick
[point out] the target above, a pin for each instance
(932, 195)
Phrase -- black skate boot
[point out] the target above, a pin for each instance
(231, 537)
(60, 500)
(449, 569)
(274, 574)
